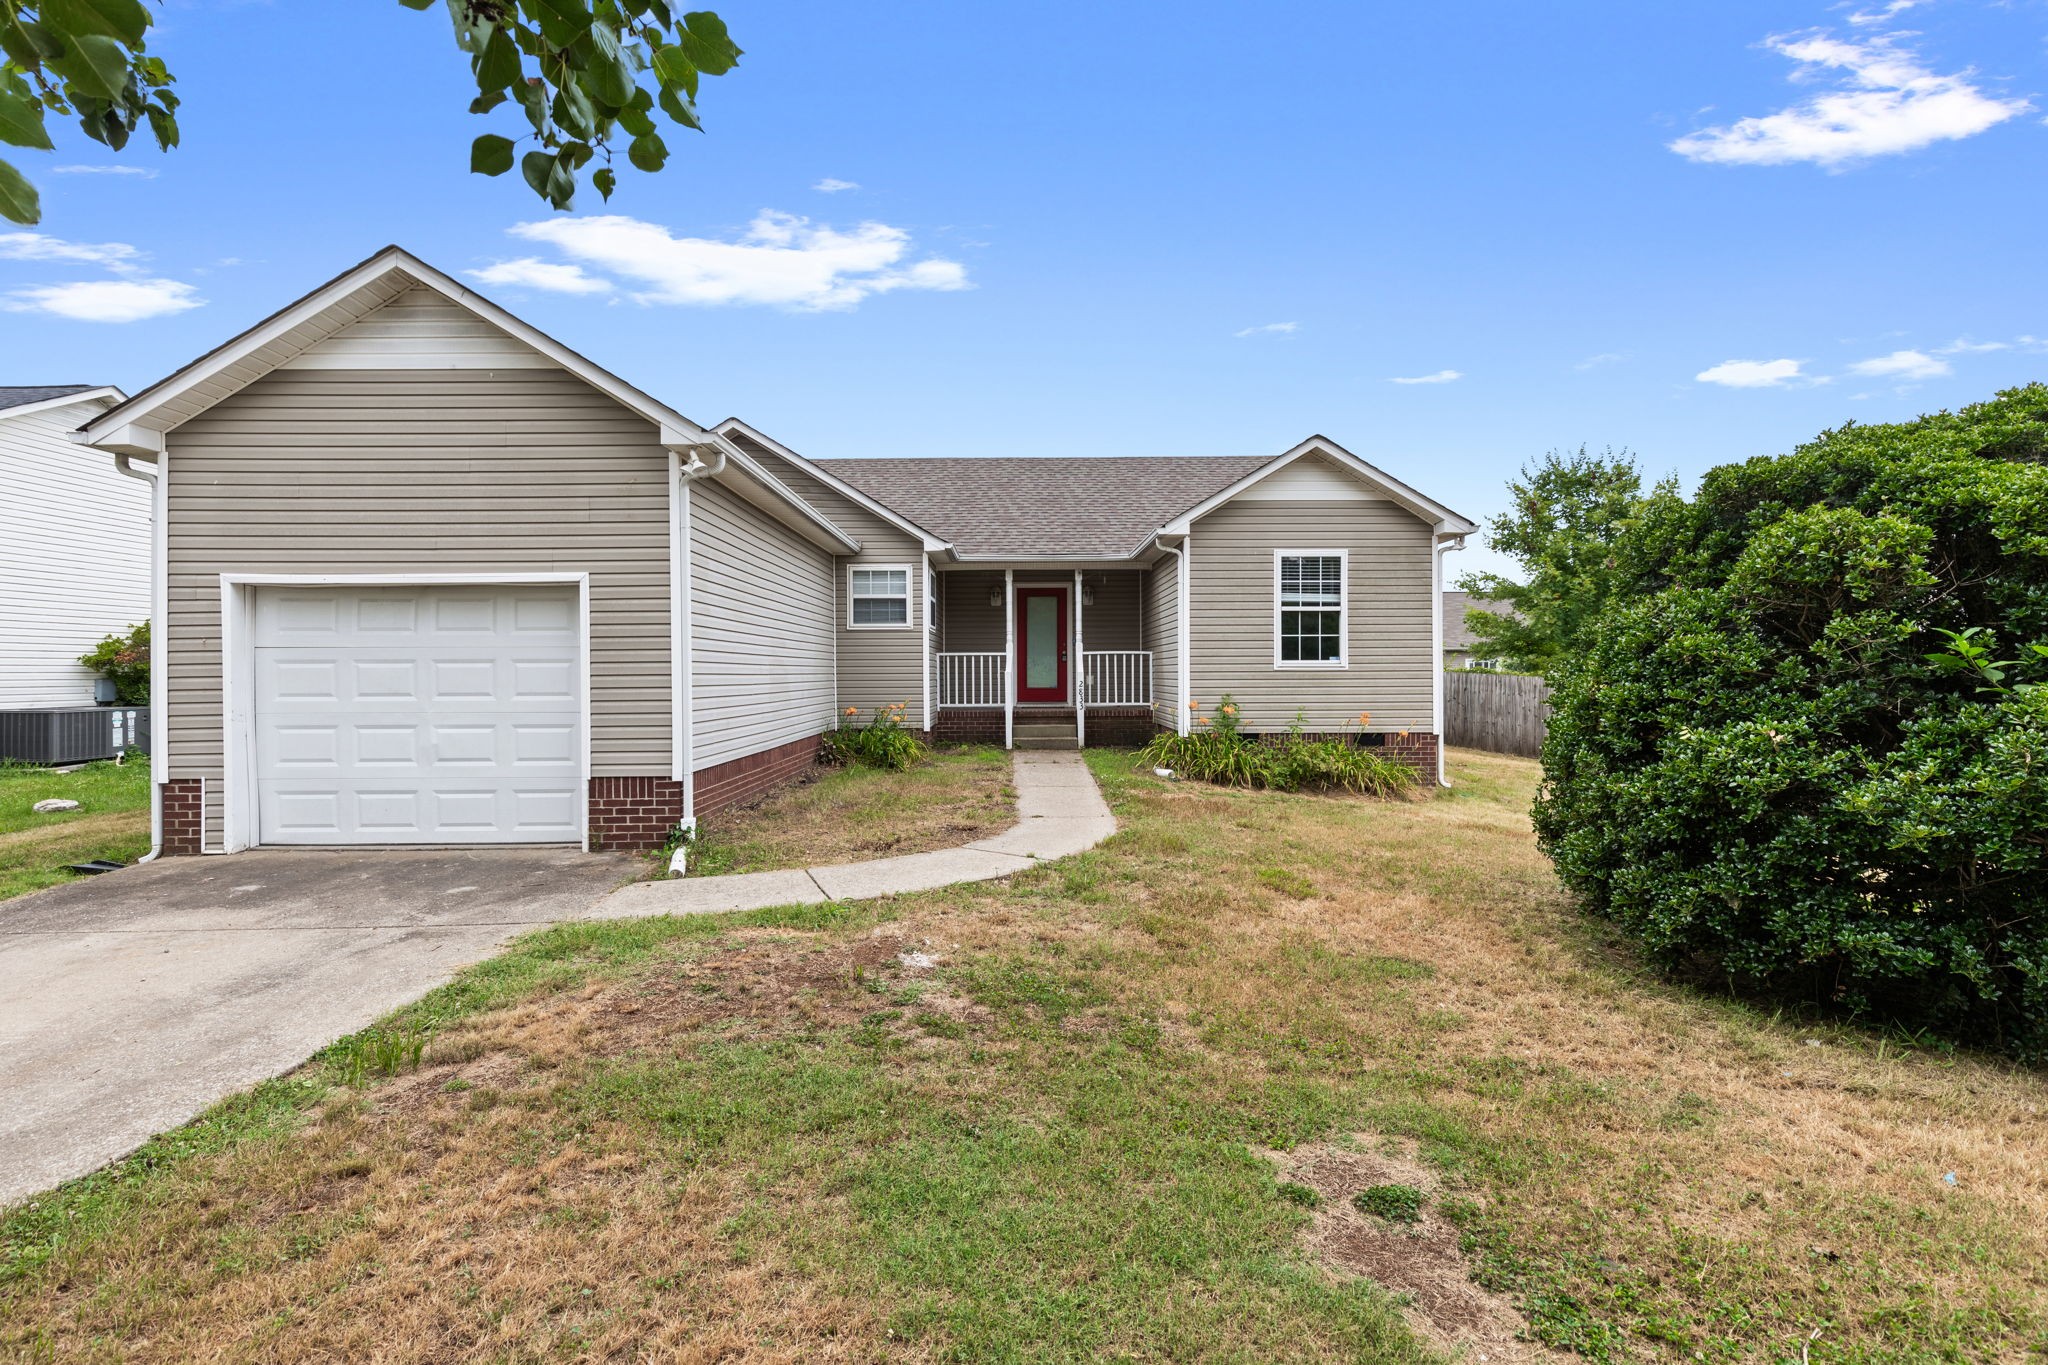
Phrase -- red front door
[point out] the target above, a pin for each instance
(1042, 645)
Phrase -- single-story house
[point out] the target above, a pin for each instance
(1463, 648)
(74, 546)
(426, 575)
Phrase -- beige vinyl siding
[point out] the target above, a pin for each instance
(1162, 637)
(761, 625)
(969, 624)
(1112, 622)
(415, 472)
(421, 327)
(1391, 668)
(74, 555)
(877, 667)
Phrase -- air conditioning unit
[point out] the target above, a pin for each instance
(74, 734)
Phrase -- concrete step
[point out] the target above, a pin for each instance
(1047, 730)
(1066, 741)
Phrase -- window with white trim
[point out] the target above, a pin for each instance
(878, 598)
(1308, 596)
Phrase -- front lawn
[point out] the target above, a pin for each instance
(112, 821)
(850, 814)
(1195, 1095)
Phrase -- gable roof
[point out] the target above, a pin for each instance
(1043, 507)
(1445, 522)
(745, 436)
(17, 396)
(136, 426)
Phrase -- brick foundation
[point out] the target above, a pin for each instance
(978, 725)
(184, 818)
(1119, 725)
(1416, 748)
(746, 779)
(633, 813)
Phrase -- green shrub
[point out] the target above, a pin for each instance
(124, 660)
(1806, 751)
(1395, 1203)
(881, 743)
(1217, 752)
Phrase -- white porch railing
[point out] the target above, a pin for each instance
(1121, 677)
(971, 679)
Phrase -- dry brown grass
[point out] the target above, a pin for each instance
(842, 815)
(1636, 1170)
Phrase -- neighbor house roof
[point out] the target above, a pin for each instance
(1458, 635)
(1045, 506)
(23, 395)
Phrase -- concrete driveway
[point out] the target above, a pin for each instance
(132, 1001)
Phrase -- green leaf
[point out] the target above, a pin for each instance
(574, 111)
(708, 26)
(18, 201)
(713, 59)
(610, 76)
(605, 181)
(677, 109)
(122, 19)
(417, 4)
(673, 69)
(648, 152)
(538, 168)
(532, 96)
(21, 123)
(96, 65)
(165, 125)
(633, 118)
(484, 103)
(490, 155)
(497, 66)
(561, 22)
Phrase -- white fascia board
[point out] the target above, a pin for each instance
(957, 562)
(932, 544)
(1441, 517)
(107, 393)
(392, 260)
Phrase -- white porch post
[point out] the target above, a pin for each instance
(1009, 658)
(1080, 671)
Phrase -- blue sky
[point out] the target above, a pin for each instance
(1149, 229)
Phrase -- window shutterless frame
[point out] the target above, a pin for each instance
(1311, 609)
(878, 597)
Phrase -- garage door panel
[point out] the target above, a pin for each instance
(418, 715)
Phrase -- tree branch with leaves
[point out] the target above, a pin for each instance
(589, 76)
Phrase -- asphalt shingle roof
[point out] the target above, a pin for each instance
(21, 395)
(1052, 506)
(1458, 635)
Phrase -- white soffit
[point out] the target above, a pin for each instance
(419, 330)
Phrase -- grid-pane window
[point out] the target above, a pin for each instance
(1311, 606)
(881, 597)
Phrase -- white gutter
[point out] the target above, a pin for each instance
(1180, 627)
(1444, 542)
(682, 683)
(158, 657)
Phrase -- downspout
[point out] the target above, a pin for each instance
(1436, 634)
(158, 722)
(684, 719)
(1180, 631)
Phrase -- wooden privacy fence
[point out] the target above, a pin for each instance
(1505, 713)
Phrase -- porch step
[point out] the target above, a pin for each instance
(1066, 741)
(1055, 729)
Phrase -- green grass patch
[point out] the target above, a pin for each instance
(112, 821)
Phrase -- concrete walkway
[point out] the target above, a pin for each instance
(1060, 812)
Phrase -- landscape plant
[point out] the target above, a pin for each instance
(1217, 750)
(1804, 750)
(123, 659)
(881, 743)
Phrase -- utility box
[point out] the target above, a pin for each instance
(73, 735)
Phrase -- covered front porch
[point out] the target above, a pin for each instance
(1031, 657)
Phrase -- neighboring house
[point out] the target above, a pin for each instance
(1463, 649)
(74, 546)
(429, 576)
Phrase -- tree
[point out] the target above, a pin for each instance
(1804, 748)
(586, 75)
(1568, 510)
(123, 660)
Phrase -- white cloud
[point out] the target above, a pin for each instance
(530, 272)
(1752, 374)
(146, 172)
(1440, 377)
(1594, 362)
(1902, 365)
(34, 246)
(1268, 329)
(1886, 102)
(833, 185)
(106, 300)
(1883, 14)
(781, 260)
(1965, 346)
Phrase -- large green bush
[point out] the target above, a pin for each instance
(1756, 767)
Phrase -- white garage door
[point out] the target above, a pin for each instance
(429, 715)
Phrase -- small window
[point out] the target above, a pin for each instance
(1309, 610)
(879, 597)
